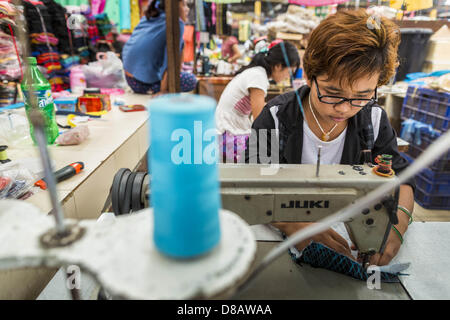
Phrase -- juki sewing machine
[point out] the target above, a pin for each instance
(299, 193)
(262, 194)
(137, 270)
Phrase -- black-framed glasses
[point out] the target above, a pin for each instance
(360, 103)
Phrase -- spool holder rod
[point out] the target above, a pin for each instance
(37, 120)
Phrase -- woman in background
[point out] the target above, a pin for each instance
(230, 49)
(145, 53)
(244, 97)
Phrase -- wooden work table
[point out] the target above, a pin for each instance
(117, 140)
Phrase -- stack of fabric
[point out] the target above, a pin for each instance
(67, 62)
(106, 36)
(93, 30)
(58, 23)
(44, 43)
(8, 92)
(9, 57)
(44, 48)
(80, 35)
(104, 25)
(10, 61)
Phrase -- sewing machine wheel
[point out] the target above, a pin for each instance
(115, 191)
(128, 192)
(126, 202)
(136, 195)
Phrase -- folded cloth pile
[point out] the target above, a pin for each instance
(80, 39)
(58, 23)
(68, 62)
(295, 20)
(8, 93)
(10, 54)
(103, 24)
(9, 58)
(93, 30)
(44, 42)
(7, 12)
(44, 38)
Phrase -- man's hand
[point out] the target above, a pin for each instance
(329, 238)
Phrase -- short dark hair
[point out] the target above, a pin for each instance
(155, 8)
(350, 44)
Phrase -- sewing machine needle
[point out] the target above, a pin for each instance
(318, 161)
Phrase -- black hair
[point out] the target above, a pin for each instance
(273, 57)
(155, 8)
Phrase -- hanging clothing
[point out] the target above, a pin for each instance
(188, 37)
(135, 14)
(200, 23)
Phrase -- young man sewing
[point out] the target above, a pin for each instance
(348, 56)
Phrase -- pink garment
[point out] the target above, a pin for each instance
(112, 91)
(233, 147)
(244, 106)
(227, 46)
(98, 6)
(316, 3)
(213, 15)
(50, 39)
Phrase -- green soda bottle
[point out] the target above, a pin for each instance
(34, 82)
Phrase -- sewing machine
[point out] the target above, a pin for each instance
(305, 193)
(262, 194)
(257, 193)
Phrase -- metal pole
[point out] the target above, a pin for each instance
(173, 45)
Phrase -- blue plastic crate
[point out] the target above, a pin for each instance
(432, 175)
(414, 150)
(427, 106)
(434, 202)
(441, 165)
(438, 188)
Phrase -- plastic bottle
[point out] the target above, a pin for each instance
(36, 83)
(77, 80)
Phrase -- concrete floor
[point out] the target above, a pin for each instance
(422, 214)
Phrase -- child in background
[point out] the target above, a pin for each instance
(244, 97)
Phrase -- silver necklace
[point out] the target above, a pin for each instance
(325, 135)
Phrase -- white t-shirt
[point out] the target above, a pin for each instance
(331, 152)
(233, 113)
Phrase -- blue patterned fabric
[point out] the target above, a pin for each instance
(320, 256)
(188, 82)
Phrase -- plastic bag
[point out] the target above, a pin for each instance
(107, 72)
(73, 136)
(14, 130)
(5, 184)
(16, 183)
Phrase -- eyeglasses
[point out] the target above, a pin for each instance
(360, 103)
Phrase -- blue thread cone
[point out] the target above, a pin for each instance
(185, 184)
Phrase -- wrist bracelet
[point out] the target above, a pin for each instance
(398, 233)
(407, 212)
